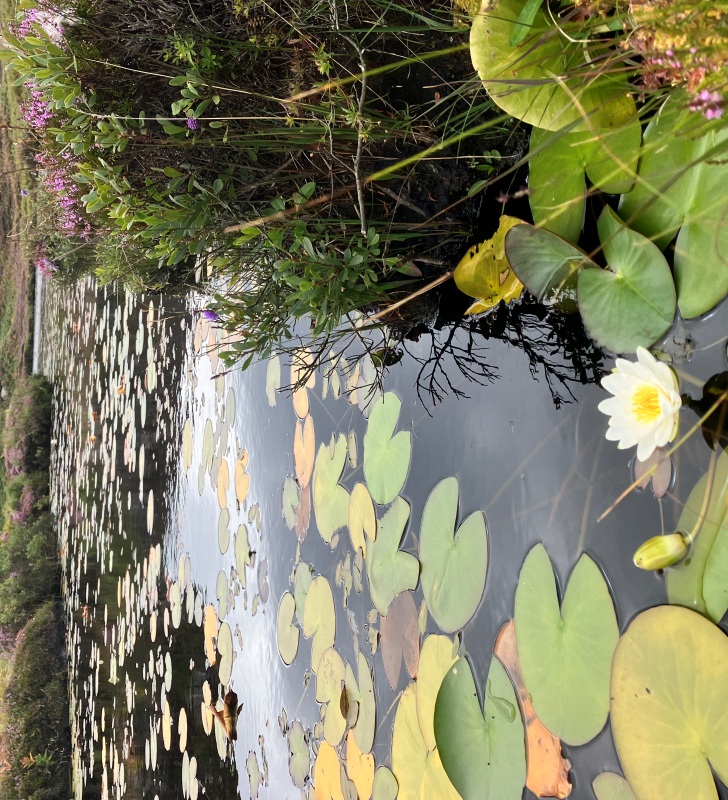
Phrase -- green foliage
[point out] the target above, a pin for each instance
(482, 751)
(631, 303)
(35, 712)
(296, 269)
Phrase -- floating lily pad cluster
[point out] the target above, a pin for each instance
(130, 599)
(672, 181)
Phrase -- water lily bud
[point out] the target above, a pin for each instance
(660, 552)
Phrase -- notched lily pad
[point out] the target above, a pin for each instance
(389, 569)
(669, 700)
(386, 454)
(483, 752)
(566, 653)
(319, 619)
(541, 81)
(330, 499)
(287, 633)
(454, 564)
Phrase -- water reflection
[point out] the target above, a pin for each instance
(167, 484)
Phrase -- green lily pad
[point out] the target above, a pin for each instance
(484, 273)
(330, 499)
(390, 570)
(287, 633)
(386, 457)
(329, 683)
(669, 701)
(319, 619)
(547, 265)
(631, 303)
(610, 786)
(226, 650)
(542, 81)
(483, 752)
(419, 771)
(301, 582)
(299, 761)
(454, 564)
(385, 785)
(556, 172)
(243, 556)
(362, 518)
(272, 379)
(566, 654)
(436, 658)
(362, 692)
(683, 185)
(698, 581)
(290, 501)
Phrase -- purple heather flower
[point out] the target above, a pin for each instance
(709, 103)
(193, 124)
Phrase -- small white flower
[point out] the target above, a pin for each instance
(646, 403)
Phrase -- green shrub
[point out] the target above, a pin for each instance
(27, 430)
(35, 733)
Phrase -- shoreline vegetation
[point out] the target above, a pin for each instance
(324, 162)
(35, 740)
(328, 162)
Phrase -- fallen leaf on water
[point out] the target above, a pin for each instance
(547, 771)
(400, 638)
(359, 767)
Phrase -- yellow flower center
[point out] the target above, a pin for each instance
(646, 404)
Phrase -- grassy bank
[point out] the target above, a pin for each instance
(34, 730)
(16, 221)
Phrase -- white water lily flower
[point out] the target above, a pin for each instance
(646, 403)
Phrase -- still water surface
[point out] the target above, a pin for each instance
(167, 483)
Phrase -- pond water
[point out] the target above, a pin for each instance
(171, 483)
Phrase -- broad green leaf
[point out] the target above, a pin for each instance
(390, 570)
(418, 771)
(557, 165)
(301, 583)
(362, 518)
(696, 582)
(524, 22)
(319, 619)
(436, 658)
(547, 264)
(386, 457)
(542, 81)
(670, 704)
(299, 761)
(484, 273)
(566, 653)
(273, 379)
(683, 185)
(483, 752)
(385, 785)
(454, 564)
(362, 692)
(287, 634)
(631, 303)
(330, 499)
(610, 786)
(556, 183)
(290, 501)
(329, 680)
